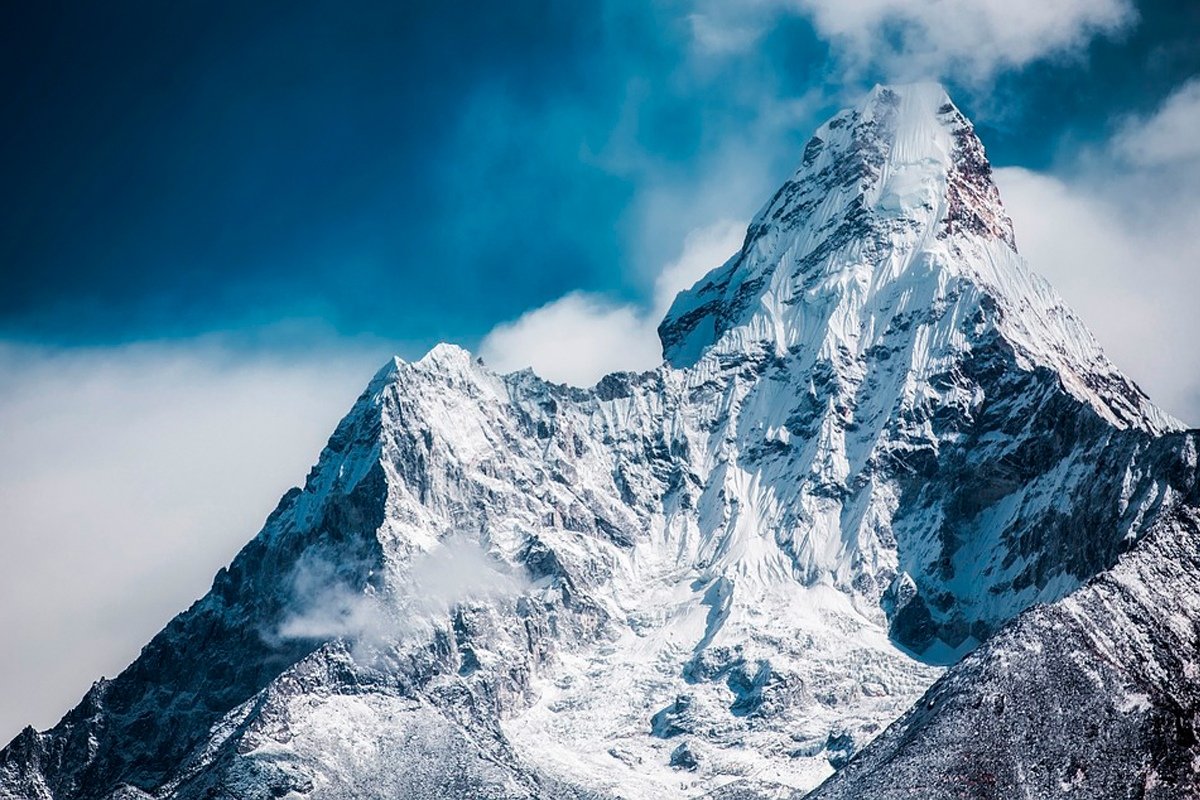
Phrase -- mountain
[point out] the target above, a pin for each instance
(877, 441)
(1094, 696)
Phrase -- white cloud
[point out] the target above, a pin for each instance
(580, 338)
(1120, 246)
(458, 571)
(127, 477)
(970, 39)
(1169, 136)
(576, 339)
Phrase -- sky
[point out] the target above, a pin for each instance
(218, 219)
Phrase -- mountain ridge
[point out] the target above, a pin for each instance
(877, 438)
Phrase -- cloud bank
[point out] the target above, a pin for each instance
(576, 339)
(1169, 137)
(128, 476)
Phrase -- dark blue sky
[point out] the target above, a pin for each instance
(421, 171)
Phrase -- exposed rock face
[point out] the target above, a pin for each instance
(877, 438)
(1095, 696)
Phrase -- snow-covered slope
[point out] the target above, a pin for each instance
(1093, 697)
(877, 437)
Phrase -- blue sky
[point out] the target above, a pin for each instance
(220, 218)
(424, 171)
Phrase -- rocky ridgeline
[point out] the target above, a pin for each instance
(876, 440)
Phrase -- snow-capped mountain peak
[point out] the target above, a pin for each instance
(877, 437)
(892, 212)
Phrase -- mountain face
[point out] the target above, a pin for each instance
(1093, 696)
(876, 440)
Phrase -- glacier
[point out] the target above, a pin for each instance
(879, 449)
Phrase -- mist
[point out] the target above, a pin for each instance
(415, 598)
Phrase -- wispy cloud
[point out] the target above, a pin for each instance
(1170, 137)
(971, 40)
(419, 596)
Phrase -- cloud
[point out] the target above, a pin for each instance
(128, 476)
(722, 36)
(1115, 234)
(1168, 137)
(456, 571)
(968, 39)
(704, 249)
(575, 339)
(580, 338)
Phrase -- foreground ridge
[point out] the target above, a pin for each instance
(877, 439)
